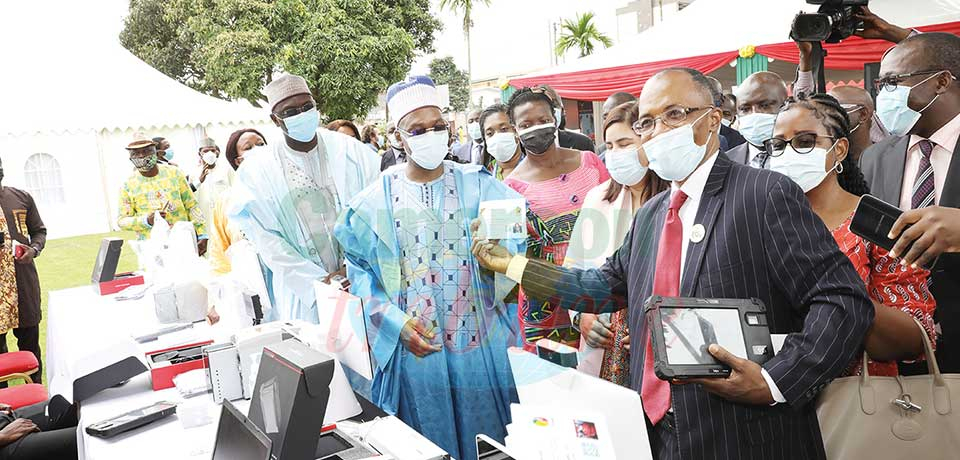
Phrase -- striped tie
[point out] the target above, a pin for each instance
(923, 187)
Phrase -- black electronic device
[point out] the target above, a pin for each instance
(253, 306)
(105, 268)
(238, 438)
(834, 21)
(488, 449)
(290, 398)
(684, 327)
(132, 420)
(873, 220)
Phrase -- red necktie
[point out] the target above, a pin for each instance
(655, 393)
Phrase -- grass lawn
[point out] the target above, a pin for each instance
(67, 263)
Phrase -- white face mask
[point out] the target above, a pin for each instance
(806, 169)
(210, 158)
(725, 122)
(473, 129)
(624, 165)
(394, 142)
(502, 146)
(757, 127)
(674, 155)
(428, 149)
(558, 115)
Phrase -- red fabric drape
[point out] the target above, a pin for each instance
(851, 53)
(597, 84)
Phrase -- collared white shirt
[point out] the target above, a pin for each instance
(945, 140)
(693, 187)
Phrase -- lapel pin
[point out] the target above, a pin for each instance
(697, 234)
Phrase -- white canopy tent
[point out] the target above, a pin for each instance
(73, 103)
(712, 27)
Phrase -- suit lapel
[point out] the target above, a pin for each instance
(950, 195)
(893, 172)
(710, 203)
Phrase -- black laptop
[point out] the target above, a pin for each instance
(238, 438)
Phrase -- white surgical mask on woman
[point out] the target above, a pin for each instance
(806, 169)
(624, 165)
(502, 146)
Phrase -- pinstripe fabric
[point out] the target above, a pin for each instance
(763, 241)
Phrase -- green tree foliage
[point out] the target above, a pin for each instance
(349, 51)
(581, 33)
(444, 71)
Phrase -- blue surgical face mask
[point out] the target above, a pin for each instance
(558, 115)
(895, 112)
(302, 127)
(624, 165)
(674, 155)
(757, 127)
(168, 154)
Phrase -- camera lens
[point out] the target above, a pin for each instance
(812, 27)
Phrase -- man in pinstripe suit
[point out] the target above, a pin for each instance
(745, 233)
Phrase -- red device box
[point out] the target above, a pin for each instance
(162, 377)
(118, 283)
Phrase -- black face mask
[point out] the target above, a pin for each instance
(538, 140)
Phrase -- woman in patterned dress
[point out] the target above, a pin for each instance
(810, 145)
(607, 216)
(554, 181)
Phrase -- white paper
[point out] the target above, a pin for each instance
(542, 383)
(342, 328)
(503, 219)
(342, 403)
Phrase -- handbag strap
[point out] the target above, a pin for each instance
(941, 393)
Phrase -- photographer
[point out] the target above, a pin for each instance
(874, 27)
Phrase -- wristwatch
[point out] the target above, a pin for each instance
(36, 251)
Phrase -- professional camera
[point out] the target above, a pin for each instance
(834, 21)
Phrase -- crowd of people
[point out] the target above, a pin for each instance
(695, 192)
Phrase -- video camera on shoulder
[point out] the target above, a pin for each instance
(833, 22)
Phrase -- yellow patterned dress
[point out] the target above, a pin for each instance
(9, 316)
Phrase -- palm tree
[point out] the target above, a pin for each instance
(466, 6)
(581, 33)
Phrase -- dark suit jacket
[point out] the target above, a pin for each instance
(882, 166)
(734, 138)
(763, 241)
(388, 159)
(575, 141)
(740, 154)
(464, 152)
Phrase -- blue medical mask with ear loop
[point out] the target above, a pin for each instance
(674, 155)
(624, 165)
(302, 127)
(894, 110)
(757, 127)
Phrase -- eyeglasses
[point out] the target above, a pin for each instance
(674, 117)
(850, 108)
(416, 132)
(891, 82)
(293, 111)
(801, 143)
